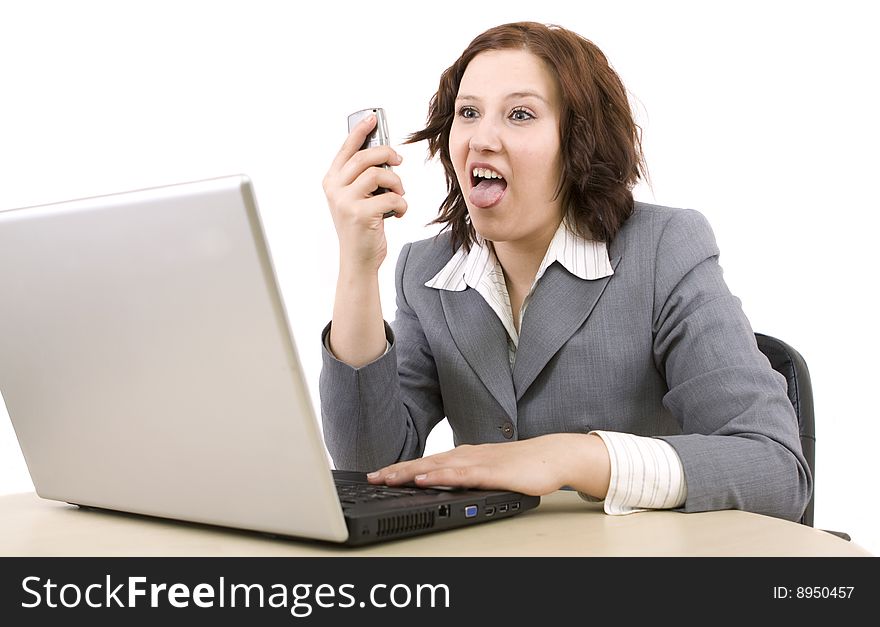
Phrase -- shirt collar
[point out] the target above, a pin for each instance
(585, 259)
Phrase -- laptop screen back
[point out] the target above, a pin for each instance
(147, 364)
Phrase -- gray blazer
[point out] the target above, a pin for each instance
(660, 348)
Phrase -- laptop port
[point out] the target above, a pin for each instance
(514, 507)
(443, 511)
(502, 509)
(470, 511)
(490, 511)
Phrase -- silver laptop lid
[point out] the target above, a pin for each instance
(147, 364)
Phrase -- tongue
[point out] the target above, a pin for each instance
(487, 192)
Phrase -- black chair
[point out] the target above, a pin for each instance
(787, 361)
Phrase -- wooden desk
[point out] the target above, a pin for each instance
(563, 525)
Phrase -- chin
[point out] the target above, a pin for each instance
(491, 232)
(493, 224)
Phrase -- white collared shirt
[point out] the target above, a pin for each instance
(481, 270)
(646, 473)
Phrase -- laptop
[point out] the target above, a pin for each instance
(148, 366)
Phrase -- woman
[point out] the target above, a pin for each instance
(572, 336)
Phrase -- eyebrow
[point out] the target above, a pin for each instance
(516, 94)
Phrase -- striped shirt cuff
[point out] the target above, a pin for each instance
(646, 473)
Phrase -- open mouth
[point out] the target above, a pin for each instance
(487, 187)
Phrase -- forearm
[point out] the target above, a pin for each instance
(584, 463)
(357, 336)
(366, 423)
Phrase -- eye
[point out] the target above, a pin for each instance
(468, 113)
(521, 114)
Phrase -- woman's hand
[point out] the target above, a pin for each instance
(536, 466)
(353, 176)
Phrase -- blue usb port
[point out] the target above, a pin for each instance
(470, 511)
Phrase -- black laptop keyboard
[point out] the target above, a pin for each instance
(352, 493)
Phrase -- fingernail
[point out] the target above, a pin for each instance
(373, 475)
(399, 158)
(369, 118)
(419, 477)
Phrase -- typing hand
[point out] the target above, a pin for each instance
(536, 466)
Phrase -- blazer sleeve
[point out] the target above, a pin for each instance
(739, 444)
(382, 413)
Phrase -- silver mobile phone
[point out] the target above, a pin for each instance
(378, 137)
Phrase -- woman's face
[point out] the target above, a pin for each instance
(507, 124)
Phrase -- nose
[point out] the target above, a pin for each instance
(485, 137)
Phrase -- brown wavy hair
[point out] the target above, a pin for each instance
(600, 141)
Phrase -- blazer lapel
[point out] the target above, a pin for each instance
(482, 340)
(558, 308)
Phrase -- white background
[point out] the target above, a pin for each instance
(762, 115)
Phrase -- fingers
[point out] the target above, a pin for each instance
(355, 202)
(354, 178)
(373, 178)
(472, 476)
(386, 203)
(458, 477)
(354, 141)
(456, 468)
(350, 161)
(363, 159)
(403, 472)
